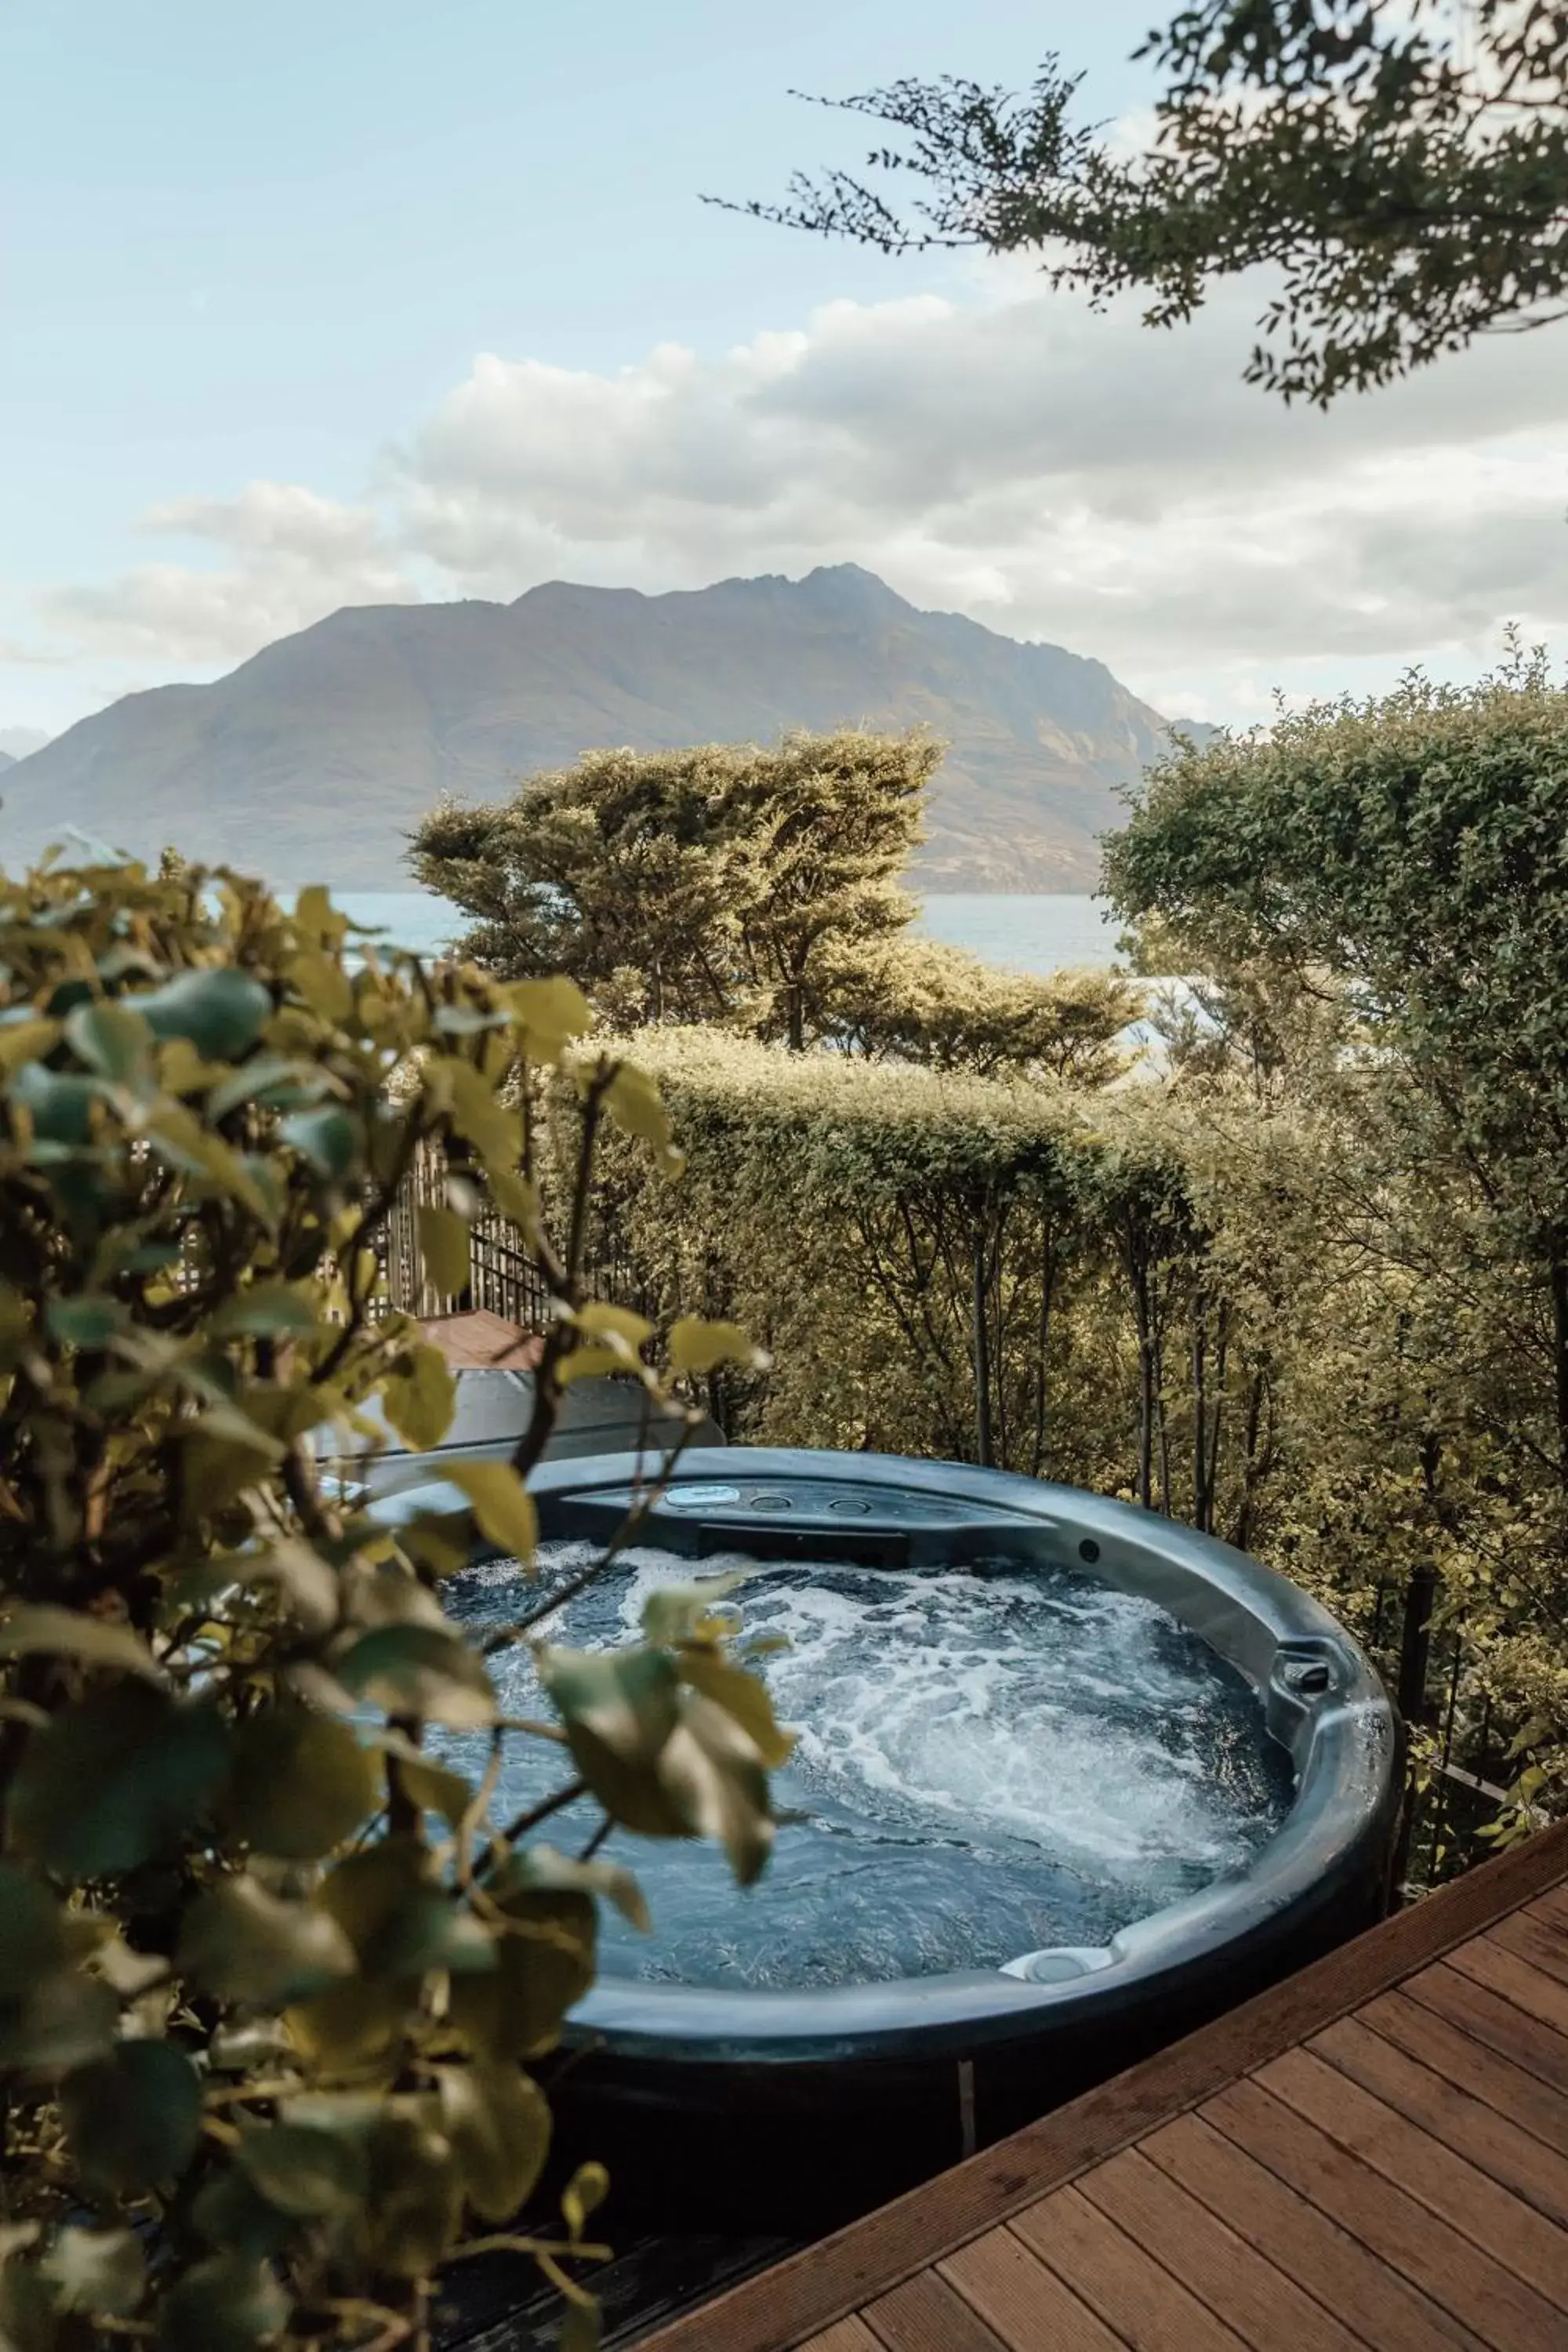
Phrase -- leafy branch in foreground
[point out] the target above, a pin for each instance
(1402, 169)
(272, 1981)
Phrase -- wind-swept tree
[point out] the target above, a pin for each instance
(1402, 171)
(723, 883)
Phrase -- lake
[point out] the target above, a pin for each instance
(1042, 933)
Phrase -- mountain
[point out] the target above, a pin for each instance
(7, 759)
(314, 760)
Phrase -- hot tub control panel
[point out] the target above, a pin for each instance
(800, 1517)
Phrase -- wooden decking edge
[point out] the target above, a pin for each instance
(781, 2308)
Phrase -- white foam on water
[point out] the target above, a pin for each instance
(1017, 1703)
(989, 1760)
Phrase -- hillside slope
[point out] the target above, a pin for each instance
(315, 759)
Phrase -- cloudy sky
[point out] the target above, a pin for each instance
(367, 301)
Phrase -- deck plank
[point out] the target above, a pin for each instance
(1452, 2270)
(926, 2314)
(1135, 2295)
(1455, 2188)
(1508, 2089)
(1487, 1963)
(1498, 2024)
(1545, 1946)
(1492, 2142)
(1024, 2302)
(1383, 2306)
(850, 2335)
(1237, 2284)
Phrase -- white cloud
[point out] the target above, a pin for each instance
(1055, 473)
(292, 557)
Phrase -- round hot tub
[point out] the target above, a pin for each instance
(1070, 1779)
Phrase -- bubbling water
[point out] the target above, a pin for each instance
(988, 1760)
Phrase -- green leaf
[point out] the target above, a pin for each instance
(271, 1080)
(265, 1307)
(67, 1633)
(229, 2213)
(115, 1780)
(302, 1784)
(328, 1138)
(308, 2173)
(741, 1696)
(434, 1930)
(63, 2020)
(600, 1321)
(60, 1106)
(88, 1320)
(420, 1670)
(353, 2027)
(112, 1039)
(551, 1014)
(32, 1931)
(478, 1113)
(714, 1776)
(221, 1011)
(497, 2120)
(434, 1789)
(501, 1504)
(238, 1942)
(419, 1404)
(544, 1964)
(620, 1709)
(696, 1346)
(540, 1867)
(97, 2270)
(29, 2319)
(132, 2119)
(225, 2304)
(634, 1102)
(416, 2197)
(444, 1247)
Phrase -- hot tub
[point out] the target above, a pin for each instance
(762, 2089)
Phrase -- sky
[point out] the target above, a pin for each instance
(367, 301)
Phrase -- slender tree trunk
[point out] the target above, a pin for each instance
(1200, 1416)
(1243, 1528)
(1140, 1273)
(1042, 1353)
(1222, 1339)
(985, 1452)
(1161, 1420)
(1559, 1277)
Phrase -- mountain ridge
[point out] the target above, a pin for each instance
(314, 759)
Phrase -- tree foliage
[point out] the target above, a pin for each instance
(1403, 169)
(916, 1001)
(716, 884)
(1411, 854)
(272, 1981)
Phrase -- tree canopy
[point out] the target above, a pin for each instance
(1401, 170)
(1412, 853)
(720, 883)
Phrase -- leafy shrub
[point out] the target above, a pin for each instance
(271, 1980)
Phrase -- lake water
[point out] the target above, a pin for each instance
(1043, 933)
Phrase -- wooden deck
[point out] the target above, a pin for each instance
(483, 1340)
(1372, 2157)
